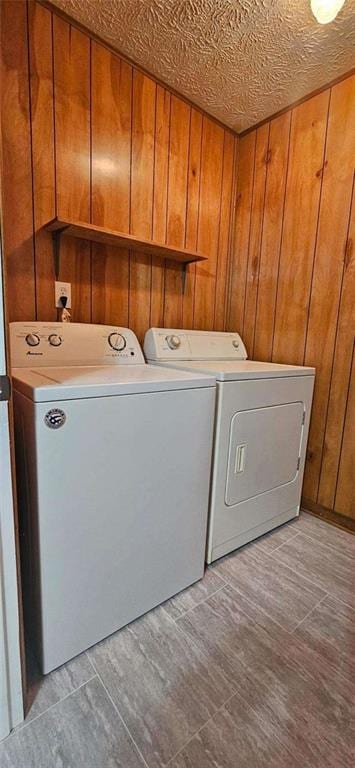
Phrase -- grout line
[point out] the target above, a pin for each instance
(340, 600)
(29, 722)
(201, 728)
(206, 656)
(314, 583)
(188, 610)
(271, 551)
(260, 627)
(309, 612)
(327, 544)
(274, 621)
(306, 578)
(118, 713)
(258, 608)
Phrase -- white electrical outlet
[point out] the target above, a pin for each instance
(62, 289)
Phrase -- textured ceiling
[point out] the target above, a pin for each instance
(240, 60)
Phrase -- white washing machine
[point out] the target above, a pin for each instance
(114, 462)
(261, 430)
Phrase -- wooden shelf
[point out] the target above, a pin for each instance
(118, 239)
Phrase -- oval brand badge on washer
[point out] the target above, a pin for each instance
(55, 418)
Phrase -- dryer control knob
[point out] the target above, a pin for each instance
(117, 341)
(235, 343)
(55, 340)
(173, 342)
(32, 339)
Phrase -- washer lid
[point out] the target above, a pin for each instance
(230, 370)
(73, 383)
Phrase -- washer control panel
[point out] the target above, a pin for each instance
(176, 344)
(45, 344)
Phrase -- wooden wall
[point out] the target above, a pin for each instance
(293, 271)
(85, 134)
(88, 136)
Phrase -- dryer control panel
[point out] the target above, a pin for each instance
(43, 344)
(176, 344)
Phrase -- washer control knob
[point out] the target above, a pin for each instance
(55, 340)
(32, 339)
(117, 341)
(235, 343)
(173, 342)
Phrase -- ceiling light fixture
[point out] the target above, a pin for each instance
(326, 10)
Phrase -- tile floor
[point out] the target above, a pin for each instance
(253, 667)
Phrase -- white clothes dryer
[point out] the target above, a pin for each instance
(113, 461)
(260, 432)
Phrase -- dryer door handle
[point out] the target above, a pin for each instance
(240, 458)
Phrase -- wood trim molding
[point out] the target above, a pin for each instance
(334, 518)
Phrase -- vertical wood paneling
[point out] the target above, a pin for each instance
(17, 212)
(192, 213)
(176, 206)
(42, 129)
(328, 272)
(72, 120)
(111, 89)
(111, 86)
(224, 233)
(209, 218)
(306, 281)
(341, 372)
(161, 161)
(240, 249)
(143, 134)
(72, 142)
(110, 286)
(345, 493)
(178, 164)
(271, 236)
(91, 162)
(256, 228)
(142, 174)
(300, 227)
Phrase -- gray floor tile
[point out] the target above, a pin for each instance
(235, 740)
(44, 691)
(286, 596)
(330, 569)
(193, 595)
(310, 722)
(82, 731)
(321, 531)
(339, 686)
(278, 536)
(163, 686)
(330, 630)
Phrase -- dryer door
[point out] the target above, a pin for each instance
(264, 450)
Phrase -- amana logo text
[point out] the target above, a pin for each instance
(55, 418)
